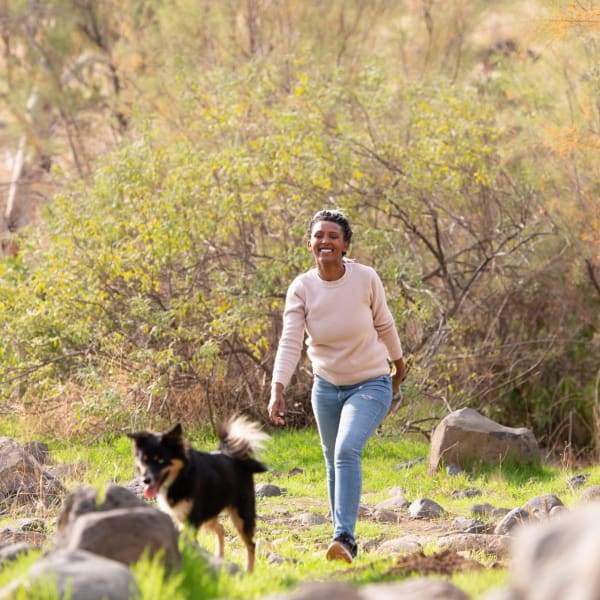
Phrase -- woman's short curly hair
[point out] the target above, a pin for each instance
(335, 216)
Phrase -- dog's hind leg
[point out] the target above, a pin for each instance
(219, 532)
(246, 532)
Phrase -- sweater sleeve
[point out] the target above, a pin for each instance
(383, 320)
(292, 336)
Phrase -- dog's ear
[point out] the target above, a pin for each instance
(174, 433)
(137, 436)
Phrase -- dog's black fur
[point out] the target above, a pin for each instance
(195, 487)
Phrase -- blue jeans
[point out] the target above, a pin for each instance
(347, 416)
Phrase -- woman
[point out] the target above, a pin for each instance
(351, 339)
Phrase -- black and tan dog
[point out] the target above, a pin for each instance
(195, 487)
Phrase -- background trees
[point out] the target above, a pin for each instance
(186, 144)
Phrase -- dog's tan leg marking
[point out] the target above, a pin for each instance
(248, 541)
(219, 531)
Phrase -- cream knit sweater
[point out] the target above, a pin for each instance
(350, 330)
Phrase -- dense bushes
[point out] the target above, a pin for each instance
(154, 290)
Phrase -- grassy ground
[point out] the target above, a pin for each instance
(296, 464)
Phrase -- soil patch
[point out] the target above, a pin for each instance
(446, 562)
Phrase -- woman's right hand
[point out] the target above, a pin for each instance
(277, 404)
(399, 375)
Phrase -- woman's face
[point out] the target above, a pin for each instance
(327, 243)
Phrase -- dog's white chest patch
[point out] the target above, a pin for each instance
(179, 512)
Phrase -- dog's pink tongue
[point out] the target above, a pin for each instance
(150, 491)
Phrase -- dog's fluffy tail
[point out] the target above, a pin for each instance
(241, 438)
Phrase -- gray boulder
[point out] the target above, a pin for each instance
(558, 559)
(317, 591)
(125, 534)
(465, 436)
(22, 478)
(11, 552)
(414, 589)
(122, 527)
(82, 575)
(85, 500)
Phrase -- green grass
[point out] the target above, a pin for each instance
(110, 460)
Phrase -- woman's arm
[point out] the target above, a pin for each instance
(288, 351)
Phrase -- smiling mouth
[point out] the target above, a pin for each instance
(151, 491)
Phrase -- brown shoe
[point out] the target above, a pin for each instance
(342, 548)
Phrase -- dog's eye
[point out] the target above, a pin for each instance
(159, 460)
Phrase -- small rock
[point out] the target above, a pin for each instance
(454, 469)
(558, 511)
(465, 493)
(403, 545)
(494, 545)
(578, 480)
(408, 464)
(540, 506)
(310, 519)
(396, 503)
(385, 516)
(14, 534)
(268, 490)
(275, 559)
(424, 508)
(482, 510)
(471, 525)
(590, 494)
(370, 546)
(514, 519)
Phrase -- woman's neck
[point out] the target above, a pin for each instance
(331, 272)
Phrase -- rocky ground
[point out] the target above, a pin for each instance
(420, 536)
